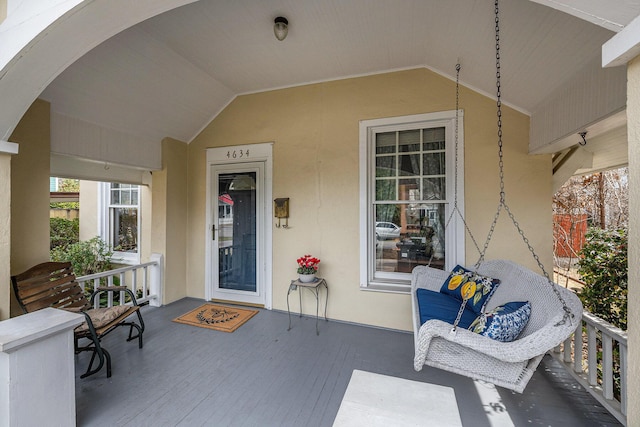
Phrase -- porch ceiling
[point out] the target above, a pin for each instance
(172, 74)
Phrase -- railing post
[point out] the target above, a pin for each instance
(602, 339)
(578, 347)
(156, 279)
(623, 378)
(37, 375)
(592, 355)
(607, 366)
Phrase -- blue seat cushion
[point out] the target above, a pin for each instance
(435, 305)
(463, 282)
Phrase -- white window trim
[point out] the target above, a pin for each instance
(455, 234)
(127, 258)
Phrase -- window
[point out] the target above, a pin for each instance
(407, 167)
(120, 225)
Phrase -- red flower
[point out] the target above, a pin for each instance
(307, 264)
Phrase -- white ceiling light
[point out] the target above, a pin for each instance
(280, 27)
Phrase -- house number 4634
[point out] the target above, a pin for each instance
(237, 154)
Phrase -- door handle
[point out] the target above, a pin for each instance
(213, 232)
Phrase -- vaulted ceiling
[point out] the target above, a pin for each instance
(172, 74)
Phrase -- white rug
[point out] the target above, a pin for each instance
(378, 400)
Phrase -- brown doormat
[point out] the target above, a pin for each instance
(218, 317)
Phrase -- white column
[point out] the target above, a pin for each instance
(633, 296)
(156, 280)
(37, 376)
(624, 48)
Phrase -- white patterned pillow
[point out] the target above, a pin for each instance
(503, 323)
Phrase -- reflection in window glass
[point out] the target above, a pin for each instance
(409, 140)
(409, 165)
(124, 231)
(410, 199)
(420, 241)
(123, 217)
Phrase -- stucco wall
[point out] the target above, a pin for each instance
(315, 131)
(168, 230)
(88, 210)
(633, 129)
(30, 191)
(5, 234)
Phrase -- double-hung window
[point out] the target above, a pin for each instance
(407, 167)
(121, 221)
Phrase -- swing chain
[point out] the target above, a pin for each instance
(499, 102)
(503, 204)
(455, 175)
(456, 209)
(459, 316)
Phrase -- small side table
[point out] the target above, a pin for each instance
(314, 287)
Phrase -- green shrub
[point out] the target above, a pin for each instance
(87, 257)
(603, 268)
(63, 232)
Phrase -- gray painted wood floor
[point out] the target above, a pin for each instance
(264, 375)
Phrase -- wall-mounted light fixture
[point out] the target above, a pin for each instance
(281, 28)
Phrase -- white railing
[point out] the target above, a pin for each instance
(601, 365)
(144, 280)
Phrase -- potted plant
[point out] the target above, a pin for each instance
(307, 268)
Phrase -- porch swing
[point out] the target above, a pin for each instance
(509, 289)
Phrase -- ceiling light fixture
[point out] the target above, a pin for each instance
(280, 27)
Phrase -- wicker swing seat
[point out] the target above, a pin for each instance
(506, 364)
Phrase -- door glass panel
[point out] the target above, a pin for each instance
(237, 231)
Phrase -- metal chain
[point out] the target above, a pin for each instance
(455, 174)
(503, 204)
(459, 316)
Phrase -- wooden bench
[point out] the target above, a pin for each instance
(53, 284)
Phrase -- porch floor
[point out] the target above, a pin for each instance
(264, 375)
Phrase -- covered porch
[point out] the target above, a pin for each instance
(264, 375)
(67, 107)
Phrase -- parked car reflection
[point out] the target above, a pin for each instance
(387, 230)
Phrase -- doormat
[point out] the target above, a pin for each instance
(218, 317)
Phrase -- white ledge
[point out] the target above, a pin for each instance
(8, 147)
(32, 327)
(622, 47)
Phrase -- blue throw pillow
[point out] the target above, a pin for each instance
(503, 323)
(434, 305)
(462, 282)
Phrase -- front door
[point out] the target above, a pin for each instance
(237, 234)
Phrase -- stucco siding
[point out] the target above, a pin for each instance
(633, 126)
(315, 133)
(5, 232)
(30, 190)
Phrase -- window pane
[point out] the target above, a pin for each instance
(433, 164)
(125, 197)
(115, 196)
(409, 189)
(124, 229)
(386, 143)
(408, 235)
(385, 189)
(409, 140)
(433, 139)
(409, 164)
(434, 189)
(386, 166)
(134, 196)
